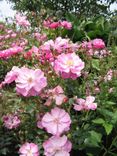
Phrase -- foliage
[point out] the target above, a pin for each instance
(91, 28)
(59, 8)
(92, 132)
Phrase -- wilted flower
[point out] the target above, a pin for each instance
(56, 94)
(57, 121)
(11, 121)
(57, 146)
(87, 104)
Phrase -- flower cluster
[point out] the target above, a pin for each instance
(56, 123)
(52, 71)
(51, 49)
(95, 47)
(22, 20)
(58, 24)
(5, 54)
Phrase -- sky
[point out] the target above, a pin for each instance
(6, 9)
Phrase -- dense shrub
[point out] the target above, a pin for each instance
(57, 97)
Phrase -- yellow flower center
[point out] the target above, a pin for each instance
(70, 63)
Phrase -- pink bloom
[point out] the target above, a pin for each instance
(4, 54)
(22, 20)
(13, 35)
(57, 146)
(30, 82)
(68, 65)
(87, 104)
(40, 37)
(56, 94)
(12, 75)
(29, 149)
(46, 23)
(60, 44)
(57, 121)
(98, 43)
(66, 24)
(54, 25)
(111, 90)
(11, 121)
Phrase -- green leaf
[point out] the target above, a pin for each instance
(95, 64)
(98, 121)
(93, 139)
(108, 128)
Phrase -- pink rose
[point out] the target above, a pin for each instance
(30, 82)
(66, 24)
(57, 121)
(57, 146)
(29, 149)
(12, 75)
(98, 43)
(68, 65)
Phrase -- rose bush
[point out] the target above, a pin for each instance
(57, 98)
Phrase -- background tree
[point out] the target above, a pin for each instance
(61, 7)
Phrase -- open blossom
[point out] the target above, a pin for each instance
(57, 95)
(30, 82)
(57, 146)
(68, 65)
(11, 121)
(29, 149)
(87, 104)
(57, 121)
(22, 20)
